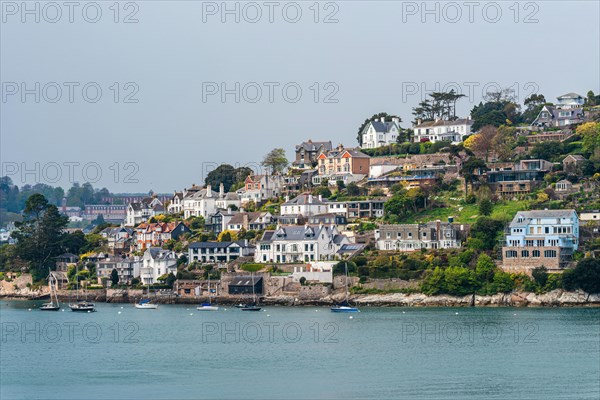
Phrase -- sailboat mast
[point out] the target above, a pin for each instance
(346, 267)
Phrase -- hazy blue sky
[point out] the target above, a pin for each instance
(378, 56)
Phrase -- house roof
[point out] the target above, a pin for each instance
(298, 233)
(528, 215)
(313, 146)
(217, 245)
(382, 127)
(201, 194)
(569, 96)
(67, 255)
(252, 216)
(351, 248)
(164, 227)
(340, 152)
(245, 280)
(160, 254)
(305, 199)
(443, 122)
(576, 157)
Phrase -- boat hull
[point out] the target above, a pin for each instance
(49, 308)
(344, 309)
(146, 306)
(207, 308)
(251, 309)
(82, 308)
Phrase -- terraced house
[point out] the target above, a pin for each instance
(412, 237)
(541, 238)
(210, 252)
(156, 234)
(299, 243)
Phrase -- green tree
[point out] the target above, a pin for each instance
(434, 282)
(459, 281)
(585, 276)
(227, 175)
(540, 275)
(275, 160)
(486, 230)
(485, 268)
(74, 242)
(352, 189)
(40, 235)
(114, 277)
(485, 207)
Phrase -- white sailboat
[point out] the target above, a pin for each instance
(53, 305)
(81, 305)
(345, 306)
(146, 304)
(208, 306)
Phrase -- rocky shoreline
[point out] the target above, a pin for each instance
(555, 298)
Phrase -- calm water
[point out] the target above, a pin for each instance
(407, 353)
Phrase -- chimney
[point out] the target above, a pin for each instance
(419, 121)
(396, 119)
(208, 191)
(382, 119)
(221, 190)
(287, 198)
(320, 197)
(310, 199)
(228, 210)
(245, 221)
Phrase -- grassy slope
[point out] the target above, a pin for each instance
(466, 213)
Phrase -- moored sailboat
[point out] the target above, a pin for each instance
(53, 305)
(253, 306)
(146, 304)
(81, 305)
(345, 307)
(208, 306)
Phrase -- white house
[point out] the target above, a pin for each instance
(200, 203)
(570, 100)
(143, 211)
(299, 243)
(443, 130)
(157, 262)
(539, 238)
(176, 204)
(318, 271)
(305, 204)
(380, 133)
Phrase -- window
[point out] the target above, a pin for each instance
(535, 253)
(511, 254)
(550, 253)
(524, 253)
